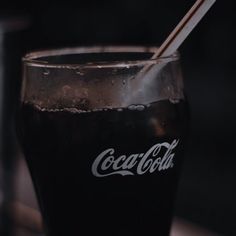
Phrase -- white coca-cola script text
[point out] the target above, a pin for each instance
(159, 157)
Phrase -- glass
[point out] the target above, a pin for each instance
(102, 130)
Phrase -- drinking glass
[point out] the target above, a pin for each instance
(103, 130)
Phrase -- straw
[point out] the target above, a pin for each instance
(184, 28)
(181, 32)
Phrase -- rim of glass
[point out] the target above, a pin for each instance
(34, 58)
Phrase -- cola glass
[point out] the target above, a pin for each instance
(103, 130)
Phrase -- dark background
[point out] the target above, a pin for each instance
(207, 190)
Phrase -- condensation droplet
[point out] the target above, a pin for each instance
(119, 109)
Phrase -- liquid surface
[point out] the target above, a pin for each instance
(83, 179)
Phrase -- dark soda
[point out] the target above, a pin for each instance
(105, 172)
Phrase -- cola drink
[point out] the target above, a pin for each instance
(106, 171)
(102, 130)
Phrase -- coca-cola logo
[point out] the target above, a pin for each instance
(159, 157)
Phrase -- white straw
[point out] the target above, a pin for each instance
(178, 35)
(170, 45)
(184, 28)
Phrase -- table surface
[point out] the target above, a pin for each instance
(180, 227)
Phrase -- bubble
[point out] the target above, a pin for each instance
(140, 108)
(136, 107)
(119, 109)
(114, 71)
(174, 100)
(99, 101)
(99, 67)
(132, 107)
(46, 72)
(79, 72)
(123, 82)
(112, 82)
(42, 90)
(66, 88)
